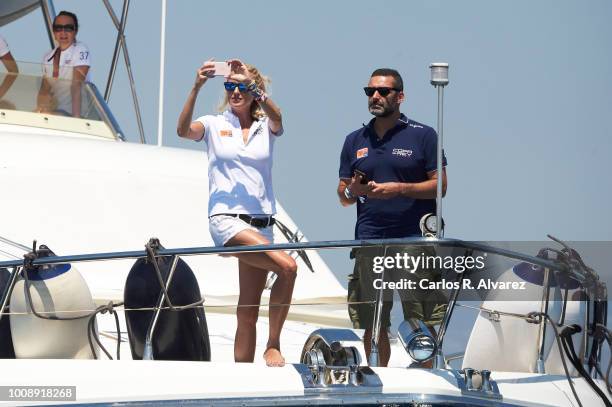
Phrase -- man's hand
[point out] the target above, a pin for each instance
(384, 190)
(356, 187)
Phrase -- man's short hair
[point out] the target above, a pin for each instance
(399, 83)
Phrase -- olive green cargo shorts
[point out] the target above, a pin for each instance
(428, 305)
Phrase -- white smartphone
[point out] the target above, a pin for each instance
(222, 68)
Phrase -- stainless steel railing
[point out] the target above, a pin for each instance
(586, 277)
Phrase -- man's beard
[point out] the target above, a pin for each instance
(386, 110)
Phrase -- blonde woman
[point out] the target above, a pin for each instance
(241, 202)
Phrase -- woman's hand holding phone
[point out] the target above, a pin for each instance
(207, 70)
(222, 69)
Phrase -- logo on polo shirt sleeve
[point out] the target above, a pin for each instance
(225, 133)
(362, 152)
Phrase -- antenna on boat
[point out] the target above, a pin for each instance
(162, 58)
(439, 79)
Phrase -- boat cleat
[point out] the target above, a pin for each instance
(477, 383)
(331, 358)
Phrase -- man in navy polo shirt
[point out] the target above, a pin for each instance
(389, 168)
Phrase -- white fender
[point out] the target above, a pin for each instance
(510, 344)
(62, 289)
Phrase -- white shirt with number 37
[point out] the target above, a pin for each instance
(75, 55)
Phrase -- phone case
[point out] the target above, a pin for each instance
(222, 69)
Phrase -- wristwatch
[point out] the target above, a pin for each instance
(348, 194)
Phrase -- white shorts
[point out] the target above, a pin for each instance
(223, 228)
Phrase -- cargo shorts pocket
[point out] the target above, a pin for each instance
(353, 297)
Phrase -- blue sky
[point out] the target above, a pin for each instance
(527, 127)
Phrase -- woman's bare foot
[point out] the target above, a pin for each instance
(274, 358)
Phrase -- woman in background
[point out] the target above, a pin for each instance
(64, 69)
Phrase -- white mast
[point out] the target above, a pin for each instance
(162, 57)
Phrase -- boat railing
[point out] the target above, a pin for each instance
(585, 276)
(577, 274)
(32, 97)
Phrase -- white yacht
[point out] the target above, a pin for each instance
(112, 291)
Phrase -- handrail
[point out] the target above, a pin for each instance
(32, 73)
(327, 244)
(103, 108)
(588, 278)
(577, 274)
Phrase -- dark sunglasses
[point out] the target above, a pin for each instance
(231, 86)
(382, 91)
(68, 28)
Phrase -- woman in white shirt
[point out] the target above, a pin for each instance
(64, 69)
(241, 204)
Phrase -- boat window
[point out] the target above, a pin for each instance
(32, 97)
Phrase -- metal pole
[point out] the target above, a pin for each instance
(584, 349)
(374, 359)
(49, 15)
(15, 244)
(103, 109)
(440, 167)
(162, 58)
(128, 66)
(147, 354)
(542, 331)
(576, 274)
(439, 361)
(120, 30)
(439, 79)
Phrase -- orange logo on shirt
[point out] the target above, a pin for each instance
(225, 133)
(362, 152)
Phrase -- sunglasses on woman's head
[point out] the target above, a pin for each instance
(66, 27)
(382, 91)
(231, 86)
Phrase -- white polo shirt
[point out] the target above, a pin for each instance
(75, 55)
(4, 48)
(239, 174)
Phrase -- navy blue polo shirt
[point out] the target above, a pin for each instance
(406, 153)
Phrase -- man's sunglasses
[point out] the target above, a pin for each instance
(67, 28)
(231, 86)
(382, 91)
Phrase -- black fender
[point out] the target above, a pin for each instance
(6, 339)
(179, 335)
